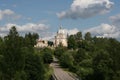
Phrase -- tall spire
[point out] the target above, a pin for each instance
(60, 26)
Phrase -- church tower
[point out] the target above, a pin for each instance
(61, 38)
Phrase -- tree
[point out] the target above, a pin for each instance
(13, 58)
(80, 55)
(66, 60)
(114, 50)
(102, 65)
(59, 51)
(88, 36)
(47, 55)
(72, 42)
(34, 67)
(50, 43)
(78, 36)
(18, 60)
(84, 69)
(30, 39)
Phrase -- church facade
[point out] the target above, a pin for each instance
(61, 38)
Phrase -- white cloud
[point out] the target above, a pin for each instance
(8, 13)
(5, 12)
(29, 27)
(71, 31)
(105, 30)
(86, 8)
(115, 20)
(41, 29)
(49, 36)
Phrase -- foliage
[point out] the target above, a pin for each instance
(88, 36)
(47, 55)
(30, 39)
(78, 36)
(59, 51)
(71, 42)
(66, 60)
(18, 60)
(50, 43)
(34, 67)
(92, 58)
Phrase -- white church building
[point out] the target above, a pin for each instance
(61, 38)
(41, 43)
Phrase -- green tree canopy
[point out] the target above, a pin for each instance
(88, 36)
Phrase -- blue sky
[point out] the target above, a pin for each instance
(45, 16)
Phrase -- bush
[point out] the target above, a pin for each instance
(47, 55)
(66, 60)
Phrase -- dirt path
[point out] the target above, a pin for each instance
(60, 74)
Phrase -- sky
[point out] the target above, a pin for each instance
(100, 17)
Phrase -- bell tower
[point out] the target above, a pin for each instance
(61, 37)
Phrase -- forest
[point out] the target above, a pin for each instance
(90, 58)
(20, 61)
